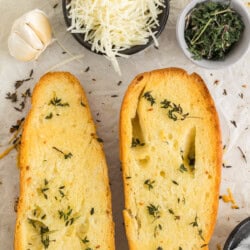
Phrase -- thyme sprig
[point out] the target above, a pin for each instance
(67, 216)
(149, 183)
(85, 240)
(176, 217)
(194, 223)
(147, 95)
(136, 142)
(66, 156)
(154, 211)
(43, 230)
(58, 102)
(175, 111)
(212, 29)
(157, 229)
(45, 189)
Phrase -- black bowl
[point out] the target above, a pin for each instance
(163, 17)
(239, 233)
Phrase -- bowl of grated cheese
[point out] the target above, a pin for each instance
(116, 28)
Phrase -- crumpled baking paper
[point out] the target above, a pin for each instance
(229, 87)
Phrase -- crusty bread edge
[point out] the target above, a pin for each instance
(133, 92)
(21, 163)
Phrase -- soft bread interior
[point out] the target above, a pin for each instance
(171, 156)
(65, 197)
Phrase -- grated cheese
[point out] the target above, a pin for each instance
(111, 26)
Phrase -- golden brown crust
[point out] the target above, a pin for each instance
(128, 110)
(41, 89)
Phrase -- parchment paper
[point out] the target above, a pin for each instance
(229, 87)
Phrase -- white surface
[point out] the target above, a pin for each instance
(100, 83)
(236, 54)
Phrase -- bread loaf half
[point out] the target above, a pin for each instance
(171, 157)
(65, 200)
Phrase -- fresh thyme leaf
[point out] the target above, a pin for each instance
(92, 210)
(149, 183)
(31, 73)
(176, 217)
(182, 168)
(32, 222)
(85, 240)
(44, 189)
(175, 182)
(44, 236)
(154, 211)
(147, 95)
(171, 211)
(212, 29)
(200, 234)
(157, 229)
(136, 142)
(58, 102)
(11, 96)
(66, 156)
(16, 126)
(82, 104)
(49, 116)
(43, 217)
(175, 112)
(43, 230)
(194, 223)
(191, 162)
(24, 97)
(99, 140)
(234, 123)
(242, 154)
(19, 83)
(204, 245)
(67, 216)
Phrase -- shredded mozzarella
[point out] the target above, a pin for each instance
(111, 26)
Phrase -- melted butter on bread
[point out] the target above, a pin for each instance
(172, 193)
(65, 200)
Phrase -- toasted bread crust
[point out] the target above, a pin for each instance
(68, 87)
(200, 99)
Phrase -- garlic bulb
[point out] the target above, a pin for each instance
(30, 35)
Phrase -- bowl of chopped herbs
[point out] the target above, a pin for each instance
(214, 33)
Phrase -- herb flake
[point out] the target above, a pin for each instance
(147, 95)
(149, 183)
(136, 142)
(175, 111)
(58, 102)
(154, 211)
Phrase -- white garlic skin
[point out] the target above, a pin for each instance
(30, 35)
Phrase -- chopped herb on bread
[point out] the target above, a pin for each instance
(170, 147)
(65, 200)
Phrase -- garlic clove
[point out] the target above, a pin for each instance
(30, 35)
(27, 34)
(20, 49)
(39, 22)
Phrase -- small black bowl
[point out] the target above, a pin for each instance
(163, 17)
(239, 233)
